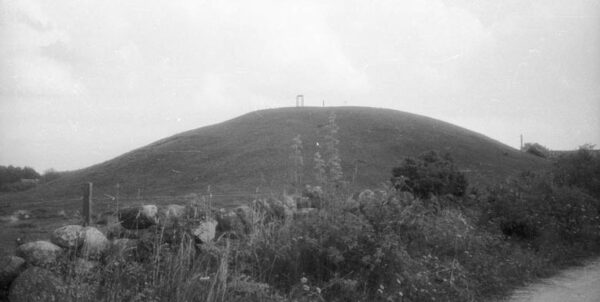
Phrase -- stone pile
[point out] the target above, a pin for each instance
(29, 274)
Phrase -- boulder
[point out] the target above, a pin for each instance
(107, 218)
(246, 216)
(172, 213)
(22, 214)
(68, 236)
(138, 217)
(122, 249)
(278, 209)
(352, 204)
(315, 196)
(94, 243)
(229, 221)
(10, 268)
(290, 201)
(39, 253)
(205, 231)
(365, 197)
(303, 203)
(82, 266)
(305, 213)
(37, 284)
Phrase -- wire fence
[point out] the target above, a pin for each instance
(102, 201)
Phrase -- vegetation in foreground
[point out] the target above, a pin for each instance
(424, 237)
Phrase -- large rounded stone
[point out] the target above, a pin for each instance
(315, 196)
(82, 266)
(139, 217)
(122, 249)
(205, 231)
(10, 268)
(37, 284)
(68, 236)
(172, 214)
(229, 221)
(304, 213)
(94, 243)
(246, 215)
(39, 253)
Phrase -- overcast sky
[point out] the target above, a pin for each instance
(84, 81)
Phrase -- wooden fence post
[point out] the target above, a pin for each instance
(87, 204)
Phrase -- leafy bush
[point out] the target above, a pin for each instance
(580, 169)
(10, 178)
(536, 149)
(532, 206)
(430, 173)
(17, 186)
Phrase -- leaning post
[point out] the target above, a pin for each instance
(87, 203)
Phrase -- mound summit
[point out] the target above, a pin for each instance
(252, 151)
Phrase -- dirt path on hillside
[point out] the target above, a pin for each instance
(581, 284)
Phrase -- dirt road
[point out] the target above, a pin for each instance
(580, 284)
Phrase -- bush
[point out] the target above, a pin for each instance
(580, 169)
(428, 174)
(532, 205)
(536, 149)
(50, 175)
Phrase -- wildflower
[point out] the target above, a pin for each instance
(303, 280)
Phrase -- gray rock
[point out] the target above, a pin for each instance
(122, 249)
(94, 243)
(229, 221)
(172, 213)
(365, 197)
(290, 201)
(305, 213)
(107, 218)
(205, 231)
(315, 196)
(82, 266)
(303, 203)
(39, 253)
(37, 284)
(22, 214)
(246, 216)
(139, 217)
(68, 236)
(10, 268)
(278, 209)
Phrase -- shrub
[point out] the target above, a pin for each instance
(428, 174)
(532, 205)
(536, 149)
(580, 169)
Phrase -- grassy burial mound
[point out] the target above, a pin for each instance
(253, 151)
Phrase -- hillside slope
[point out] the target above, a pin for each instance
(252, 151)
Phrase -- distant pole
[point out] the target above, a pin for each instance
(323, 103)
(521, 142)
(87, 203)
(300, 100)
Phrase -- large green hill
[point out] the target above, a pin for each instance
(252, 151)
